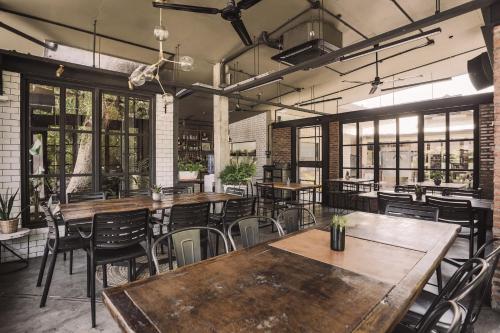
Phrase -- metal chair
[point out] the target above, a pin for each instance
(188, 245)
(430, 323)
(293, 218)
(134, 193)
(55, 244)
(84, 196)
(231, 211)
(267, 200)
(116, 237)
(385, 198)
(473, 193)
(250, 230)
(420, 212)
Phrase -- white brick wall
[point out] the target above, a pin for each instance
(253, 129)
(164, 141)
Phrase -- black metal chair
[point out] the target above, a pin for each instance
(188, 245)
(293, 219)
(134, 193)
(54, 245)
(473, 193)
(231, 211)
(343, 197)
(250, 230)
(465, 287)
(385, 198)
(117, 237)
(267, 200)
(404, 188)
(420, 212)
(458, 212)
(431, 320)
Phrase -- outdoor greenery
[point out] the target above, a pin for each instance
(338, 221)
(190, 166)
(436, 175)
(238, 172)
(6, 204)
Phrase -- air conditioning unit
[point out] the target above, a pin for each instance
(307, 41)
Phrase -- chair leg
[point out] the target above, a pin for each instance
(439, 277)
(49, 279)
(42, 265)
(92, 290)
(104, 276)
(71, 262)
(88, 275)
(64, 255)
(130, 270)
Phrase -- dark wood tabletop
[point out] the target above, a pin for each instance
(482, 204)
(294, 284)
(82, 211)
(294, 186)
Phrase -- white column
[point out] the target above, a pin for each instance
(221, 131)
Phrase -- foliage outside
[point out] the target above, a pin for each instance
(190, 166)
(238, 172)
(339, 222)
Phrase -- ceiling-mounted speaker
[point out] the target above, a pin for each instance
(480, 71)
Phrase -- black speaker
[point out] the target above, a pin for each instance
(480, 71)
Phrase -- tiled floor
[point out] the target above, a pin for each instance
(68, 309)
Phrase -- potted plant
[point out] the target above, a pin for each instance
(437, 176)
(337, 232)
(419, 191)
(189, 170)
(238, 172)
(156, 192)
(8, 224)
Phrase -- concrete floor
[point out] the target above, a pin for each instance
(68, 309)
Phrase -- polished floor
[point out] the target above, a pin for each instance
(68, 308)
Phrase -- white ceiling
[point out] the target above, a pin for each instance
(208, 39)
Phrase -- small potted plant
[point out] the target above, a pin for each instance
(156, 192)
(189, 170)
(8, 224)
(337, 232)
(437, 176)
(419, 191)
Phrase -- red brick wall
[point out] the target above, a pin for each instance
(487, 151)
(282, 145)
(334, 153)
(496, 210)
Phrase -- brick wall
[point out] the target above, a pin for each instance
(282, 145)
(164, 141)
(496, 193)
(486, 153)
(333, 150)
(253, 129)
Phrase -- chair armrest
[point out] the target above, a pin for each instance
(83, 234)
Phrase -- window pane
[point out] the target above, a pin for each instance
(462, 155)
(366, 156)
(44, 106)
(463, 177)
(351, 172)
(434, 155)
(78, 110)
(462, 125)
(138, 114)
(387, 179)
(309, 150)
(366, 131)
(111, 153)
(435, 127)
(112, 185)
(113, 114)
(349, 157)
(428, 173)
(349, 134)
(387, 130)
(367, 174)
(408, 155)
(78, 153)
(138, 154)
(78, 184)
(408, 176)
(309, 175)
(387, 156)
(139, 182)
(408, 129)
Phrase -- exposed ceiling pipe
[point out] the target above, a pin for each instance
(50, 46)
(400, 31)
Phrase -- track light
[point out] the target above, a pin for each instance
(60, 71)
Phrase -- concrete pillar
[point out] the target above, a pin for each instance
(221, 130)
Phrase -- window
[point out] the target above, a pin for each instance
(309, 162)
(350, 148)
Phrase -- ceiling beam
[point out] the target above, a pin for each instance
(50, 46)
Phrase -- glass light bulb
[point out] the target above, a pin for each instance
(161, 33)
(186, 63)
(137, 77)
(150, 73)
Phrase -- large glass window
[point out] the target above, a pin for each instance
(309, 162)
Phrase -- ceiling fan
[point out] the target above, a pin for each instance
(377, 81)
(231, 13)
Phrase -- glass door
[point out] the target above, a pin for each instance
(310, 157)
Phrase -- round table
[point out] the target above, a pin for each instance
(22, 232)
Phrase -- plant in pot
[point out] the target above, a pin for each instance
(8, 224)
(238, 172)
(337, 232)
(419, 191)
(189, 170)
(156, 192)
(437, 176)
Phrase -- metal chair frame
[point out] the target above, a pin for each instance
(292, 225)
(249, 230)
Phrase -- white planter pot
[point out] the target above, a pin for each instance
(188, 175)
(156, 196)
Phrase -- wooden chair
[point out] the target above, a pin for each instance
(188, 245)
(250, 230)
(384, 198)
(293, 218)
(117, 237)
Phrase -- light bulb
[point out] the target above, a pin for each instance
(186, 63)
(150, 73)
(161, 33)
(137, 78)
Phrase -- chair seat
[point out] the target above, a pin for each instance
(72, 242)
(107, 256)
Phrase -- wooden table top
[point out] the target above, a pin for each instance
(455, 186)
(293, 284)
(351, 180)
(82, 211)
(293, 186)
(484, 204)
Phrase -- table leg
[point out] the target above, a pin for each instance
(314, 201)
(21, 259)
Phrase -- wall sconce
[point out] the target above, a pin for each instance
(60, 71)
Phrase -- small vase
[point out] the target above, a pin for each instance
(437, 181)
(418, 196)
(337, 238)
(156, 196)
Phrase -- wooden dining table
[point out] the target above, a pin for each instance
(294, 284)
(297, 188)
(84, 211)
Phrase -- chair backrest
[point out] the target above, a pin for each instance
(236, 209)
(293, 218)
(119, 229)
(384, 198)
(53, 219)
(473, 193)
(191, 215)
(265, 191)
(187, 243)
(409, 210)
(431, 319)
(250, 231)
(452, 210)
(235, 191)
(404, 188)
(84, 196)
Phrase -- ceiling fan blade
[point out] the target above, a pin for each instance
(373, 90)
(245, 4)
(239, 26)
(186, 8)
(357, 82)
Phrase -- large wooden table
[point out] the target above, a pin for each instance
(296, 284)
(296, 188)
(84, 211)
